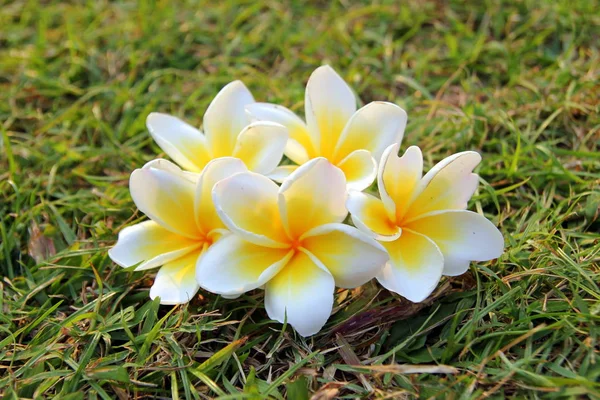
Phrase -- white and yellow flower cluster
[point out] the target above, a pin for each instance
(222, 224)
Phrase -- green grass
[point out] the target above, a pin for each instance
(516, 81)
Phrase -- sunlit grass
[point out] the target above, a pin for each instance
(516, 82)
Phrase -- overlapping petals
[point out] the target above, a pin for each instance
(247, 204)
(350, 139)
(312, 196)
(290, 240)
(234, 266)
(351, 267)
(228, 131)
(422, 221)
(183, 225)
(150, 245)
(221, 223)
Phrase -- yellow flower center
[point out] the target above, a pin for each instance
(295, 244)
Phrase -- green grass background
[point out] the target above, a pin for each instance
(517, 81)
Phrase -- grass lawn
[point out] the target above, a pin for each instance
(517, 81)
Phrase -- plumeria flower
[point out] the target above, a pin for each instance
(183, 224)
(350, 139)
(423, 222)
(228, 132)
(291, 240)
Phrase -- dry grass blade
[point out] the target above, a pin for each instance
(411, 369)
(350, 358)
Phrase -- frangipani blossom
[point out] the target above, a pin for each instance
(423, 222)
(291, 240)
(352, 140)
(183, 224)
(228, 131)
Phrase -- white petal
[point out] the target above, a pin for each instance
(247, 205)
(329, 105)
(175, 282)
(303, 292)
(296, 152)
(151, 245)
(352, 257)
(415, 266)
(226, 117)
(280, 173)
(167, 198)
(260, 145)
(185, 144)
(369, 215)
(455, 266)
(461, 234)
(398, 179)
(166, 165)
(233, 266)
(447, 186)
(215, 171)
(300, 147)
(313, 195)
(374, 127)
(360, 169)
